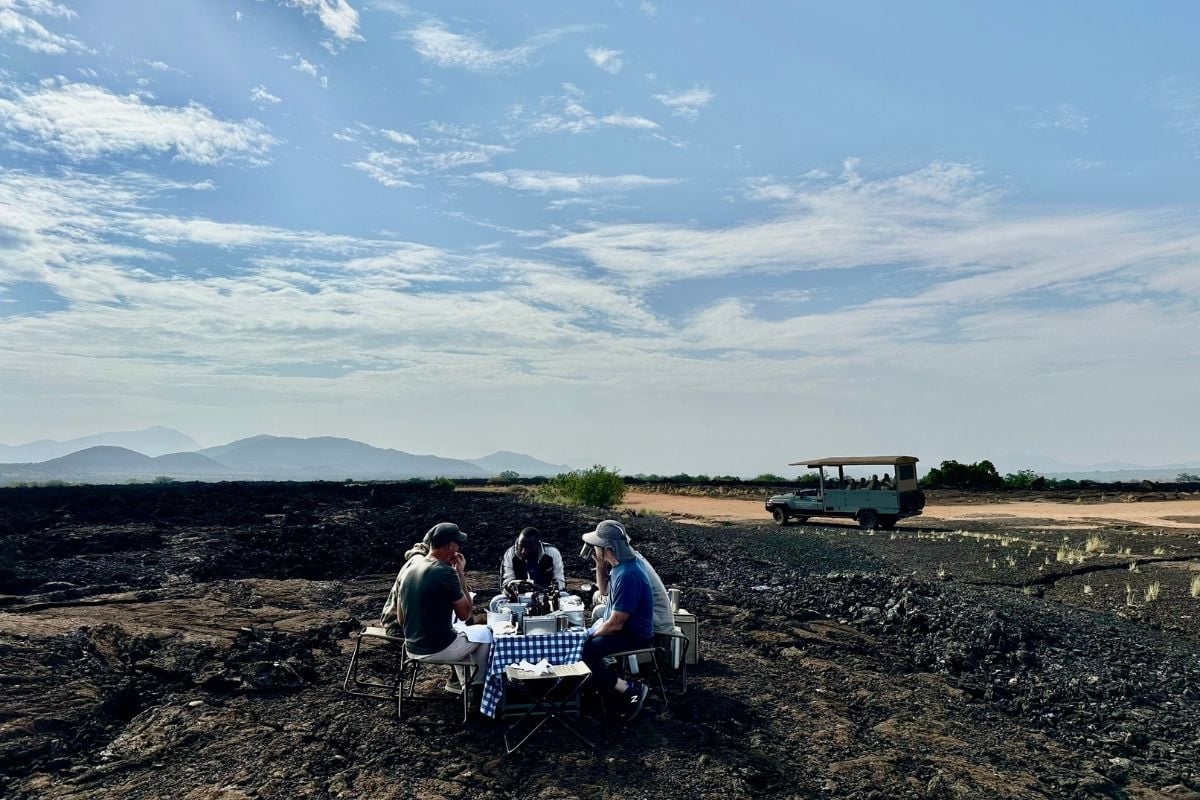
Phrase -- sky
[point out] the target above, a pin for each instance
(695, 236)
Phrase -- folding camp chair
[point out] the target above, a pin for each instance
(367, 688)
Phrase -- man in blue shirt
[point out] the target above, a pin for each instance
(629, 624)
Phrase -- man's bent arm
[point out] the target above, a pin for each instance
(613, 623)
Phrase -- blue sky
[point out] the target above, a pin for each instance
(661, 236)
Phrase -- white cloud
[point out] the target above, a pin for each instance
(438, 45)
(397, 169)
(338, 17)
(260, 95)
(570, 183)
(686, 103)
(607, 60)
(648, 8)
(572, 116)
(399, 138)
(766, 188)
(938, 221)
(1064, 116)
(396, 7)
(17, 23)
(391, 171)
(84, 121)
(304, 65)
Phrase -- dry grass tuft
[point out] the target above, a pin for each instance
(1152, 591)
(1087, 588)
(1160, 551)
(1096, 544)
(1069, 555)
(1195, 587)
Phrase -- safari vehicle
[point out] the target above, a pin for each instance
(874, 504)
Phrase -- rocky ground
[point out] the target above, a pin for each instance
(190, 641)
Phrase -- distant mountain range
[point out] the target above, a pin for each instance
(1106, 471)
(254, 458)
(156, 441)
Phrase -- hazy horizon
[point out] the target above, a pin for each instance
(663, 238)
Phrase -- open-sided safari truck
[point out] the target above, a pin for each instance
(873, 503)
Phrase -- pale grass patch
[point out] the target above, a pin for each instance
(1069, 555)
(1160, 551)
(1128, 595)
(1152, 591)
(1087, 588)
(1096, 544)
(1195, 587)
(1133, 567)
(941, 572)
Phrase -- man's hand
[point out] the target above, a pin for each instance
(459, 562)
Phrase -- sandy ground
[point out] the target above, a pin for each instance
(1162, 514)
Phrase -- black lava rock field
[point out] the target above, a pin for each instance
(190, 640)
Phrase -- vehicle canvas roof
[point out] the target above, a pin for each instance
(854, 461)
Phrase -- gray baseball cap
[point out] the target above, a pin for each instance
(611, 534)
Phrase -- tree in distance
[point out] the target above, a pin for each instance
(769, 477)
(598, 486)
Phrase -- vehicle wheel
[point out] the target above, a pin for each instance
(780, 515)
(887, 523)
(868, 520)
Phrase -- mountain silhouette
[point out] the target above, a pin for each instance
(333, 458)
(524, 465)
(106, 462)
(155, 441)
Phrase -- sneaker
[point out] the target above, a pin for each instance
(453, 685)
(635, 696)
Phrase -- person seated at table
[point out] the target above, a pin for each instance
(432, 592)
(664, 618)
(629, 624)
(531, 561)
(392, 618)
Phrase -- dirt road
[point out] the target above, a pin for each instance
(1164, 514)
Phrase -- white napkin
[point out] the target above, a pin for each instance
(540, 668)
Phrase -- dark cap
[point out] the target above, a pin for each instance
(444, 533)
(531, 533)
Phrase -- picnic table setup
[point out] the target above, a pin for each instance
(536, 658)
(534, 673)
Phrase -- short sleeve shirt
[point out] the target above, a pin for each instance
(629, 592)
(428, 591)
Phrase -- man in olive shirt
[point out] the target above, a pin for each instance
(432, 592)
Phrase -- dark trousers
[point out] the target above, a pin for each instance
(597, 647)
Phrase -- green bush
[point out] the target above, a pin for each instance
(981, 475)
(1023, 479)
(808, 479)
(443, 484)
(598, 486)
(769, 477)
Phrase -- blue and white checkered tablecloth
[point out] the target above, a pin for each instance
(557, 648)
